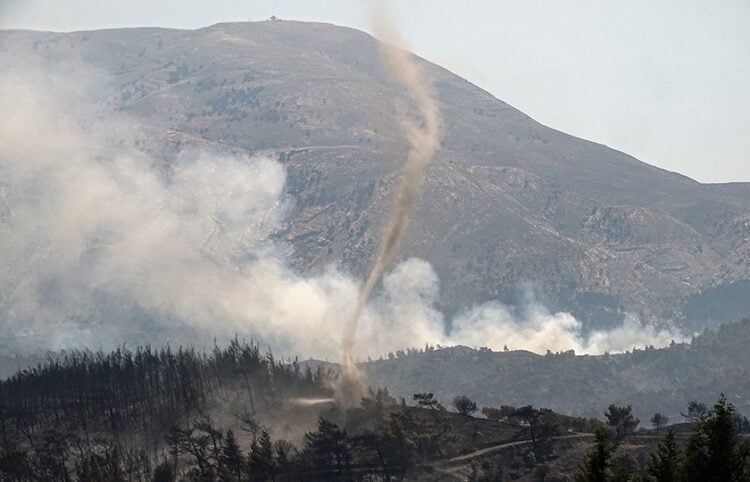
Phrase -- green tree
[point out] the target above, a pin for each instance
(542, 423)
(262, 466)
(621, 419)
(398, 448)
(597, 465)
(714, 452)
(664, 464)
(327, 453)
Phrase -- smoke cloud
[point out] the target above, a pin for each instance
(98, 246)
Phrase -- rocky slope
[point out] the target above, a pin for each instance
(506, 201)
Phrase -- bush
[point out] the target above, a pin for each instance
(464, 405)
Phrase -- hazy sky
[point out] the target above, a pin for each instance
(665, 81)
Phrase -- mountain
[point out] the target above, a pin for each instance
(506, 201)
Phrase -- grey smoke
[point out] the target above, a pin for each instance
(97, 245)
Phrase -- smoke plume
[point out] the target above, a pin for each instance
(423, 135)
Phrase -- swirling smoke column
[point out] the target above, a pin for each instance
(423, 135)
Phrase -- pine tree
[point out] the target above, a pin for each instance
(621, 419)
(596, 467)
(714, 452)
(262, 466)
(327, 452)
(231, 456)
(664, 464)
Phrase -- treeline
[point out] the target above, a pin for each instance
(714, 451)
(225, 415)
(58, 418)
(179, 414)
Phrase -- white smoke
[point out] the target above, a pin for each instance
(536, 329)
(96, 246)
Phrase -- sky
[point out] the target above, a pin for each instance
(666, 82)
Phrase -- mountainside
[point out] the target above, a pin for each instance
(506, 200)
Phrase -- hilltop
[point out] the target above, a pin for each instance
(652, 380)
